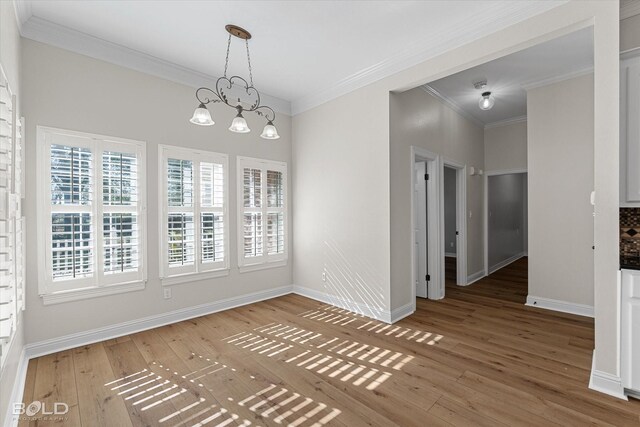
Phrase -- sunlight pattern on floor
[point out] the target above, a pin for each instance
(346, 348)
(292, 404)
(333, 367)
(147, 390)
(331, 314)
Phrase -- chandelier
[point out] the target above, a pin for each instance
(229, 89)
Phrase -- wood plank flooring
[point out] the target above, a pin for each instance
(478, 357)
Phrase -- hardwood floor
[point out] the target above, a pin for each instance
(450, 269)
(478, 357)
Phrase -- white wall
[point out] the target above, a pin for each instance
(71, 91)
(506, 226)
(419, 119)
(505, 147)
(10, 46)
(341, 200)
(450, 225)
(561, 159)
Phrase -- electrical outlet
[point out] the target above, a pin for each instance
(451, 244)
(324, 276)
(167, 293)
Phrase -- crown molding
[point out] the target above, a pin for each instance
(493, 19)
(44, 31)
(556, 79)
(629, 8)
(506, 122)
(489, 21)
(23, 12)
(451, 104)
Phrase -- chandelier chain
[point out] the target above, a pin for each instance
(226, 61)
(249, 61)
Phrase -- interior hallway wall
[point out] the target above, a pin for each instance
(561, 174)
(450, 225)
(506, 205)
(416, 118)
(505, 147)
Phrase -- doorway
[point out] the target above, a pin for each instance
(506, 222)
(428, 223)
(454, 223)
(427, 279)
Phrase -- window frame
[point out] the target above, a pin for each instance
(199, 271)
(99, 284)
(265, 260)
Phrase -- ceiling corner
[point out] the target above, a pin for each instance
(23, 12)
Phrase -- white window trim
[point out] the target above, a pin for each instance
(164, 152)
(96, 286)
(265, 261)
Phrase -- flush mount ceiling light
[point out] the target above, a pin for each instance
(248, 97)
(486, 100)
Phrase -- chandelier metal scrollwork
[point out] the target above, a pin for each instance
(237, 88)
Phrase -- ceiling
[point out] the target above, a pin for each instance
(509, 76)
(302, 52)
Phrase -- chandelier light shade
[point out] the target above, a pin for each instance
(249, 99)
(239, 124)
(202, 117)
(486, 101)
(270, 131)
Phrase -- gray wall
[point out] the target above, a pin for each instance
(450, 239)
(71, 91)
(506, 203)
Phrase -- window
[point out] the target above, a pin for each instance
(262, 213)
(194, 214)
(92, 219)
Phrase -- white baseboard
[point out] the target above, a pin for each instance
(402, 312)
(472, 278)
(113, 331)
(451, 254)
(356, 307)
(557, 305)
(506, 262)
(17, 390)
(605, 383)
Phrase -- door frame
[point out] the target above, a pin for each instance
(435, 260)
(487, 174)
(461, 219)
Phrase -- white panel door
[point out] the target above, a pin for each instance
(421, 230)
(632, 121)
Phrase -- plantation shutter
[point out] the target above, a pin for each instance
(93, 216)
(72, 228)
(180, 225)
(263, 211)
(120, 219)
(194, 209)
